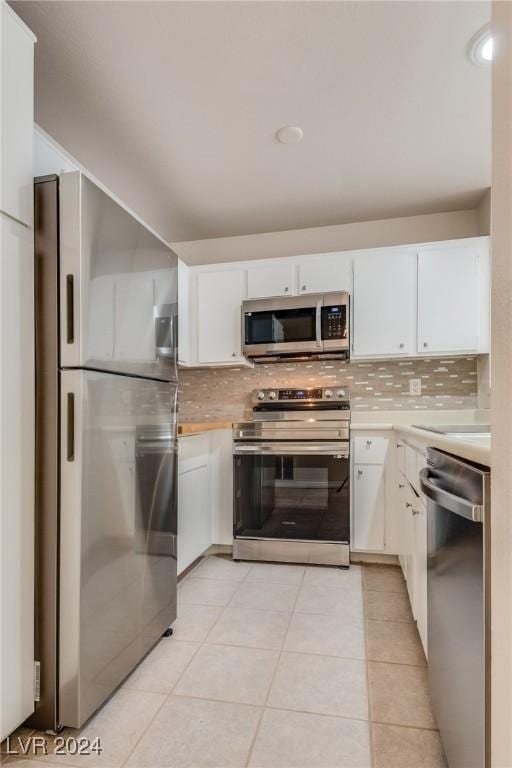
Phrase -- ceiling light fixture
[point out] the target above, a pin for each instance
(290, 134)
(481, 47)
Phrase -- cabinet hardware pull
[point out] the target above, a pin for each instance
(408, 504)
(368, 442)
(286, 289)
(304, 287)
(415, 512)
(70, 310)
(70, 453)
(401, 485)
(402, 345)
(425, 344)
(233, 354)
(359, 472)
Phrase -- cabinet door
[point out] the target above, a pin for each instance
(270, 280)
(410, 500)
(384, 304)
(17, 472)
(194, 516)
(325, 272)
(368, 508)
(420, 570)
(449, 299)
(17, 116)
(220, 296)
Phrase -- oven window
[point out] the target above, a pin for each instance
(292, 497)
(280, 326)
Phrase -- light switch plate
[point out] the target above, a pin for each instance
(415, 386)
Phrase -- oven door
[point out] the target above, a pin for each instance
(298, 491)
(277, 326)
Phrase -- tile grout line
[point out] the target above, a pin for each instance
(264, 707)
(370, 727)
(170, 693)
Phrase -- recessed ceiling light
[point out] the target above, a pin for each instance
(481, 47)
(290, 134)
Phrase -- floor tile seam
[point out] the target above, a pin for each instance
(429, 729)
(395, 621)
(167, 696)
(143, 734)
(329, 615)
(327, 655)
(397, 663)
(368, 693)
(274, 708)
(258, 726)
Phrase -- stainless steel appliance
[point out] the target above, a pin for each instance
(292, 478)
(297, 327)
(106, 308)
(458, 501)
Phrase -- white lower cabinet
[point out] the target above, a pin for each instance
(420, 571)
(368, 528)
(204, 494)
(412, 518)
(374, 529)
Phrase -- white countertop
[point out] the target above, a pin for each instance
(474, 447)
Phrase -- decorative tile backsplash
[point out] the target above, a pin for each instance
(223, 394)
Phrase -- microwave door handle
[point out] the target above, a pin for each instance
(319, 342)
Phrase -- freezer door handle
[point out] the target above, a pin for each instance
(70, 309)
(70, 452)
(450, 501)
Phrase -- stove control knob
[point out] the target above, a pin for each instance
(260, 395)
(272, 395)
(340, 393)
(328, 393)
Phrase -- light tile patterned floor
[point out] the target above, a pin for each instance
(275, 666)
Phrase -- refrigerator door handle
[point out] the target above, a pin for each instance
(70, 309)
(70, 453)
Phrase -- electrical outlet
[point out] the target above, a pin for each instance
(415, 386)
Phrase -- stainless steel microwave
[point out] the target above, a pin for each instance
(314, 326)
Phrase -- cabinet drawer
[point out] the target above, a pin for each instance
(370, 449)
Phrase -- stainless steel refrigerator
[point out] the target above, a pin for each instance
(106, 447)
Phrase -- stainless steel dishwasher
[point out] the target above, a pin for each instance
(458, 504)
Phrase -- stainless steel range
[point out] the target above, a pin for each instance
(292, 477)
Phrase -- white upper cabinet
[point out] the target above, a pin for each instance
(16, 116)
(271, 280)
(384, 303)
(450, 301)
(219, 322)
(325, 272)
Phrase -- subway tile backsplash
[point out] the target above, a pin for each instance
(223, 394)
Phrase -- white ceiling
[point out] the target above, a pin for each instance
(174, 106)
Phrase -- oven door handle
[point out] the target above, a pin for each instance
(291, 449)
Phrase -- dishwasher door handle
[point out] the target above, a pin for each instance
(450, 501)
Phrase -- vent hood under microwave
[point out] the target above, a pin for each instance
(297, 327)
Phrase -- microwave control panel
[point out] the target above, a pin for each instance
(334, 322)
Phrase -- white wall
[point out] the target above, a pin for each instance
(365, 234)
(50, 158)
